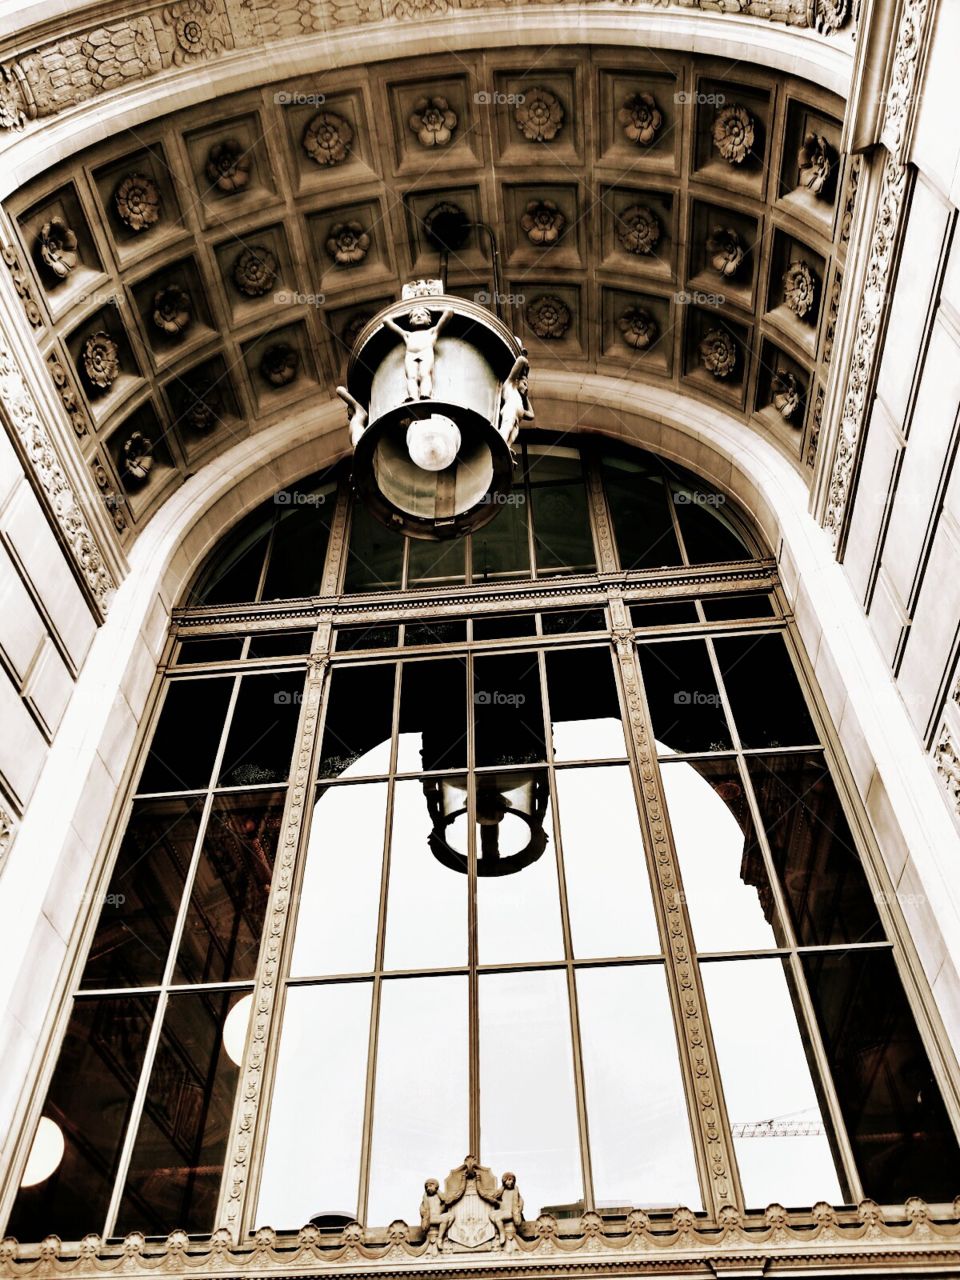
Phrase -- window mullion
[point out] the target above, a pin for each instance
(473, 981)
(603, 541)
(337, 544)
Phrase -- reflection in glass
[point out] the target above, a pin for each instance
(640, 1145)
(518, 913)
(637, 497)
(340, 894)
(682, 695)
(89, 1100)
(427, 902)
(437, 631)
(708, 532)
(725, 882)
(366, 638)
(566, 622)
(420, 1105)
(766, 1077)
(433, 716)
(528, 1114)
(234, 570)
(501, 549)
(299, 545)
(311, 1164)
(608, 888)
(177, 1161)
(752, 666)
(375, 559)
(260, 741)
(132, 939)
(508, 710)
(898, 1126)
(561, 523)
(813, 850)
(187, 735)
(359, 718)
(584, 708)
(435, 563)
(228, 901)
(280, 644)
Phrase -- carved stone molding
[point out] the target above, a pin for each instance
(946, 758)
(6, 832)
(22, 284)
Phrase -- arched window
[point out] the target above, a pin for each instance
(529, 844)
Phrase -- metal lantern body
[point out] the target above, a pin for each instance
(426, 383)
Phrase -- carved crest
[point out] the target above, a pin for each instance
(471, 1212)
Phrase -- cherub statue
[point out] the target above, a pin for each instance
(420, 341)
(510, 1208)
(514, 401)
(356, 416)
(433, 1212)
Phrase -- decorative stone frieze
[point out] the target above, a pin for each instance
(23, 286)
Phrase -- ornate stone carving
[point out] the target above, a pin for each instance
(327, 138)
(15, 107)
(113, 501)
(255, 271)
(726, 251)
(23, 285)
(196, 27)
(68, 396)
(638, 328)
(433, 122)
(348, 243)
(854, 166)
(638, 229)
(137, 202)
(57, 246)
(471, 1213)
(828, 16)
(515, 404)
(279, 364)
(817, 162)
(203, 410)
(800, 287)
(548, 316)
(6, 832)
(734, 133)
(816, 422)
(539, 116)
(172, 310)
(946, 758)
(228, 167)
(420, 344)
(640, 118)
(137, 455)
(833, 312)
(101, 362)
(543, 222)
(718, 353)
(786, 393)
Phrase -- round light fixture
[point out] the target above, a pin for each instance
(433, 443)
(235, 1029)
(45, 1154)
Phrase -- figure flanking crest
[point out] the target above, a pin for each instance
(471, 1212)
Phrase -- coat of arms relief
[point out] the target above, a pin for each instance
(471, 1212)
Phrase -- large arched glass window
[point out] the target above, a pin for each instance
(529, 844)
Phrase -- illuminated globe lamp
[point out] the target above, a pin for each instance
(436, 391)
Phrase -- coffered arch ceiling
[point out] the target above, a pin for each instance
(669, 219)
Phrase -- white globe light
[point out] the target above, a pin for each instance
(235, 1029)
(433, 443)
(45, 1154)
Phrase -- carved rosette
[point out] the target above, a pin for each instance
(203, 410)
(255, 271)
(800, 289)
(828, 16)
(718, 353)
(57, 246)
(327, 138)
(548, 316)
(638, 328)
(172, 310)
(539, 117)
(137, 202)
(785, 390)
(640, 118)
(13, 106)
(348, 243)
(137, 452)
(196, 30)
(228, 167)
(726, 251)
(734, 133)
(638, 229)
(542, 222)
(817, 162)
(433, 122)
(279, 364)
(101, 362)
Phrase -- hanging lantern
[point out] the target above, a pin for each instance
(510, 812)
(436, 392)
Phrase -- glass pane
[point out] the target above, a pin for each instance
(311, 1163)
(508, 710)
(130, 946)
(299, 545)
(584, 708)
(503, 626)
(437, 632)
(768, 1086)
(431, 563)
(708, 533)
(221, 934)
(340, 895)
(233, 572)
(528, 1114)
(177, 1160)
(367, 638)
(420, 1107)
(427, 903)
(901, 1135)
(725, 882)
(359, 720)
(561, 523)
(518, 903)
(640, 1144)
(608, 888)
(570, 621)
(752, 668)
(187, 735)
(754, 605)
(637, 498)
(433, 716)
(501, 549)
(682, 695)
(88, 1106)
(218, 649)
(375, 562)
(666, 613)
(813, 850)
(262, 729)
(280, 644)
